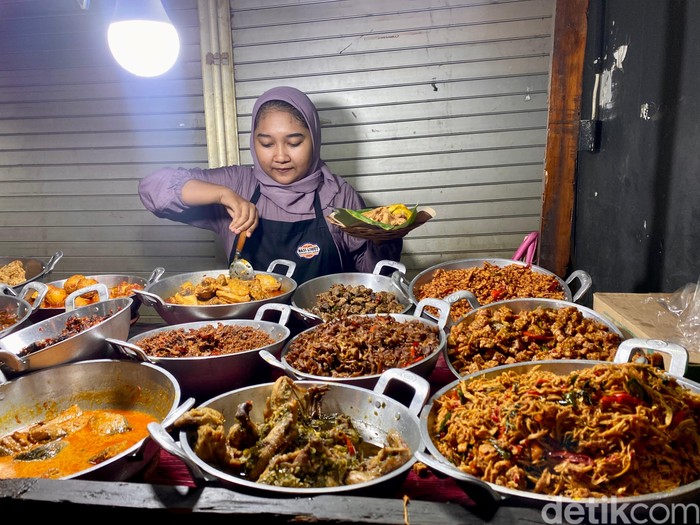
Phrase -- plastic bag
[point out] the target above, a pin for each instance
(684, 303)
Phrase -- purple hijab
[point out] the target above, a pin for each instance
(297, 197)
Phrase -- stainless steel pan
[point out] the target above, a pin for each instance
(110, 281)
(305, 296)
(208, 376)
(491, 494)
(156, 293)
(93, 385)
(372, 412)
(424, 277)
(35, 269)
(88, 344)
(423, 367)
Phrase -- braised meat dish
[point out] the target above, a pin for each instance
(362, 345)
(493, 337)
(343, 300)
(208, 340)
(72, 441)
(74, 326)
(295, 445)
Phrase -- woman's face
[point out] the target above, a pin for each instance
(283, 146)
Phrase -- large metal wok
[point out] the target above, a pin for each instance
(525, 305)
(110, 281)
(423, 367)
(373, 413)
(88, 344)
(156, 293)
(305, 297)
(424, 277)
(93, 385)
(208, 376)
(35, 269)
(492, 495)
(21, 309)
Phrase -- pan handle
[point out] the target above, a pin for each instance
(35, 286)
(420, 386)
(291, 266)
(151, 299)
(52, 262)
(283, 309)
(129, 350)
(12, 360)
(272, 360)
(167, 443)
(166, 424)
(388, 263)
(398, 279)
(585, 283)
(482, 491)
(442, 306)
(100, 288)
(306, 316)
(155, 276)
(678, 354)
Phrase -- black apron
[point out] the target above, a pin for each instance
(308, 243)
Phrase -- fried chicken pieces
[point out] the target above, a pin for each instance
(13, 273)
(226, 290)
(294, 446)
(394, 215)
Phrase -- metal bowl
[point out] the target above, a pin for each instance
(207, 376)
(156, 293)
(87, 344)
(305, 296)
(110, 281)
(35, 269)
(423, 368)
(424, 277)
(373, 413)
(492, 495)
(524, 305)
(93, 385)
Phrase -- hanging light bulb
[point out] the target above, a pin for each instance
(142, 39)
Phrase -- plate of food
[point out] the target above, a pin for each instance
(382, 222)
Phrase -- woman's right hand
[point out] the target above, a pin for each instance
(243, 213)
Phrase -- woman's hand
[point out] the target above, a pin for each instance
(243, 213)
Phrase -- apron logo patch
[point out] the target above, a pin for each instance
(308, 250)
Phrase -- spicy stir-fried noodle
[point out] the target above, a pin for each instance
(608, 430)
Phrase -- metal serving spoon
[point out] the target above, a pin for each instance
(240, 268)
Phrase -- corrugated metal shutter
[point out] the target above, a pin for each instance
(77, 133)
(437, 102)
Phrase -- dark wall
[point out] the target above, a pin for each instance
(637, 214)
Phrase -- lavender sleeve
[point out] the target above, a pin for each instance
(161, 194)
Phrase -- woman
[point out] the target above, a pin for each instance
(280, 202)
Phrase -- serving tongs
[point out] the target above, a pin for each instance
(240, 268)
